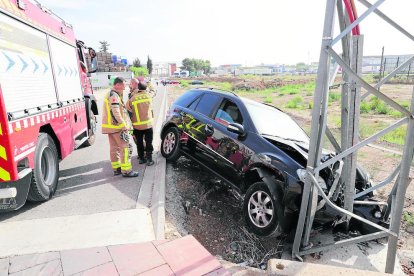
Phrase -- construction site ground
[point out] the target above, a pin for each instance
(197, 204)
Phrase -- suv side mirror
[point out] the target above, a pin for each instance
(236, 128)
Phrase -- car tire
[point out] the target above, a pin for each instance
(259, 211)
(46, 169)
(170, 144)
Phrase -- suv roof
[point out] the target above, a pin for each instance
(219, 91)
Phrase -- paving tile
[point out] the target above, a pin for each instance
(159, 242)
(132, 259)
(219, 272)
(163, 270)
(78, 260)
(52, 268)
(18, 263)
(4, 267)
(107, 269)
(186, 256)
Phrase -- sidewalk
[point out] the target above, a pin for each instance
(184, 256)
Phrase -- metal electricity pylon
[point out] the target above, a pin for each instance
(354, 89)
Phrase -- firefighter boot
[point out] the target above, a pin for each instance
(150, 162)
(131, 174)
(117, 171)
(142, 160)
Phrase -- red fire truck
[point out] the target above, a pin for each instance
(47, 107)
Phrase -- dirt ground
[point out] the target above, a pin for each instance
(213, 215)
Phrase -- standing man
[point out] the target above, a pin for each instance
(140, 105)
(116, 123)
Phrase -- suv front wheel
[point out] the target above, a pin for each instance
(259, 211)
(170, 144)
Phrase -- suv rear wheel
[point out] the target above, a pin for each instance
(259, 211)
(170, 144)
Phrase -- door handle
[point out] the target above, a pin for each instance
(209, 129)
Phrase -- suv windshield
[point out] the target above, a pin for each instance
(270, 121)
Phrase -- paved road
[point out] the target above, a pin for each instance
(86, 184)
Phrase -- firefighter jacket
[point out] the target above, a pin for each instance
(114, 116)
(140, 106)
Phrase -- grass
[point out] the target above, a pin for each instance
(293, 89)
(219, 85)
(334, 97)
(409, 218)
(396, 136)
(268, 99)
(295, 103)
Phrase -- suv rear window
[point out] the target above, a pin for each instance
(207, 103)
(187, 98)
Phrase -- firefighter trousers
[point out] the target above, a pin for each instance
(120, 152)
(141, 135)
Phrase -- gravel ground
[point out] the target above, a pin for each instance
(198, 204)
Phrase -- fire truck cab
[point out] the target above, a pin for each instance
(47, 106)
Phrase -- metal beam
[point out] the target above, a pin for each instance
(362, 144)
(388, 20)
(356, 22)
(403, 181)
(365, 85)
(390, 75)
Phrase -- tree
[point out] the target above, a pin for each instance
(149, 65)
(104, 46)
(194, 65)
(136, 63)
(139, 71)
(302, 67)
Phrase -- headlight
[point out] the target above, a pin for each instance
(301, 174)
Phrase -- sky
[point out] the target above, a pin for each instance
(224, 31)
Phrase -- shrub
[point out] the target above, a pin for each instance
(294, 103)
(268, 99)
(334, 97)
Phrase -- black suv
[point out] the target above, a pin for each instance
(256, 148)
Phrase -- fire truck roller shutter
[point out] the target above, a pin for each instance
(25, 73)
(66, 68)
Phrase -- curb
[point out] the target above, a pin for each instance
(152, 192)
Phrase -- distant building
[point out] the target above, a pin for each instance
(163, 69)
(372, 64)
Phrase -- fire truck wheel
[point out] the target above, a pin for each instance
(46, 169)
(92, 129)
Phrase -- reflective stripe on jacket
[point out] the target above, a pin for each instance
(114, 117)
(140, 106)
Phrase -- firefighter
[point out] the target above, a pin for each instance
(116, 123)
(140, 106)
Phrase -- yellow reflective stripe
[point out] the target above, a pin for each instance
(116, 165)
(143, 101)
(114, 126)
(126, 165)
(142, 122)
(136, 112)
(3, 153)
(4, 175)
(108, 111)
(1, 130)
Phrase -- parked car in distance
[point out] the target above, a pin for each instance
(258, 151)
(173, 82)
(197, 82)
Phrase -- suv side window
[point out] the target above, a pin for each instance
(228, 113)
(194, 104)
(187, 98)
(206, 104)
